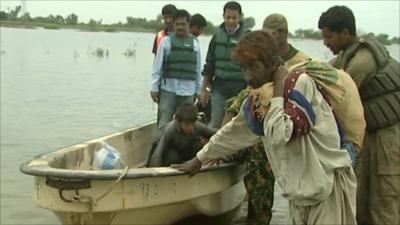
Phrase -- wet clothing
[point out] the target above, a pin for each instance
(173, 90)
(173, 146)
(307, 163)
(219, 68)
(378, 193)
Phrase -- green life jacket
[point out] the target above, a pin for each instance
(181, 62)
(225, 67)
(381, 94)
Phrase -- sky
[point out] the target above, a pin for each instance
(371, 16)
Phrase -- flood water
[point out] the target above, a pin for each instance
(56, 93)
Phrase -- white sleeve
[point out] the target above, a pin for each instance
(199, 77)
(234, 136)
(158, 64)
(278, 126)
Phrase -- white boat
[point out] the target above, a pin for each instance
(65, 183)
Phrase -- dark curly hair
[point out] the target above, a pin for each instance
(257, 45)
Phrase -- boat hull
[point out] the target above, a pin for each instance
(66, 184)
(162, 214)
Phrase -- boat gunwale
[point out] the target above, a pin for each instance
(45, 170)
(40, 165)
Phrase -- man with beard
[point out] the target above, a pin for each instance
(259, 179)
(298, 128)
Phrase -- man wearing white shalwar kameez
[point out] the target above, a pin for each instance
(300, 134)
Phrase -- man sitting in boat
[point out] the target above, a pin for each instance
(181, 139)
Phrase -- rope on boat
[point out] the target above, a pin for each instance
(113, 185)
(93, 202)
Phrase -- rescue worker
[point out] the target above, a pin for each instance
(377, 76)
(222, 75)
(177, 70)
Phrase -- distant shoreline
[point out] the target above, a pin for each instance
(79, 27)
(96, 28)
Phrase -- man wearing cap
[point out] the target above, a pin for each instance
(259, 180)
(298, 128)
(277, 25)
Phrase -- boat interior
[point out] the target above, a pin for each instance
(76, 161)
(133, 144)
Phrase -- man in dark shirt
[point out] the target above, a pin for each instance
(222, 76)
(181, 138)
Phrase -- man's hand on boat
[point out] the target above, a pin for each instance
(192, 166)
(218, 161)
(155, 96)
